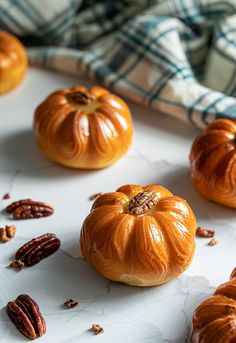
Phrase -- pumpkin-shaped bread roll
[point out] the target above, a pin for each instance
(214, 321)
(13, 62)
(83, 128)
(213, 162)
(142, 236)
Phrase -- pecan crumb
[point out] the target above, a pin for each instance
(6, 196)
(96, 328)
(7, 233)
(95, 196)
(70, 303)
(213, 242)
(201, 232)
(17, 264)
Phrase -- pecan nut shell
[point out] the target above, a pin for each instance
(25, 314)
(37, 249)
(28, 209)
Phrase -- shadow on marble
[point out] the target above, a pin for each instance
(178, 180)
(161, 122)
(61, 277)
(21, 153)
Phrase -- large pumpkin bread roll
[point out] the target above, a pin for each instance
(213, 162)
(83, 128)
(214, 321)
(13, 62)
(142, 236)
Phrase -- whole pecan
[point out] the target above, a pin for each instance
(38, 248)
(25, 314)
(27, 209)
(7, 233)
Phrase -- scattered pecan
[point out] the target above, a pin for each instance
(7, 233)
(38, 248)
(201, 232)
(27, 209)
(25, 314)
(96, 328)
(213, 242)
(70, 303)
(94, 196)
(6, 196)
(17, 264)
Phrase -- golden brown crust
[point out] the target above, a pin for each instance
(83, 128)
(143, 249)
(13, 62)
(214, 321)
(213, 162)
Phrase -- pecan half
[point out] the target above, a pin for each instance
(143, 202)
(96, 328)
(38, 248)
(25, 314)
(201, 232)
(70, 303)
(7, 233)
(213, 242)
(27, 209)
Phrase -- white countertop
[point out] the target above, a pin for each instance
(159, 154)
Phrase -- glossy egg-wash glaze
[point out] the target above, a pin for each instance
(213, 162)
(13, 62)
(83, 128)
(148, 248)
(214, 321)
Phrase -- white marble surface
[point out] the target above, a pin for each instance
(131, 315)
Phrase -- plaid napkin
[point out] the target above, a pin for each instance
(176, 56)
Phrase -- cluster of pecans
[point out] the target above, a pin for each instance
(24, 312)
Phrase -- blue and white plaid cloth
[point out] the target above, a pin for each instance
(176, 56)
